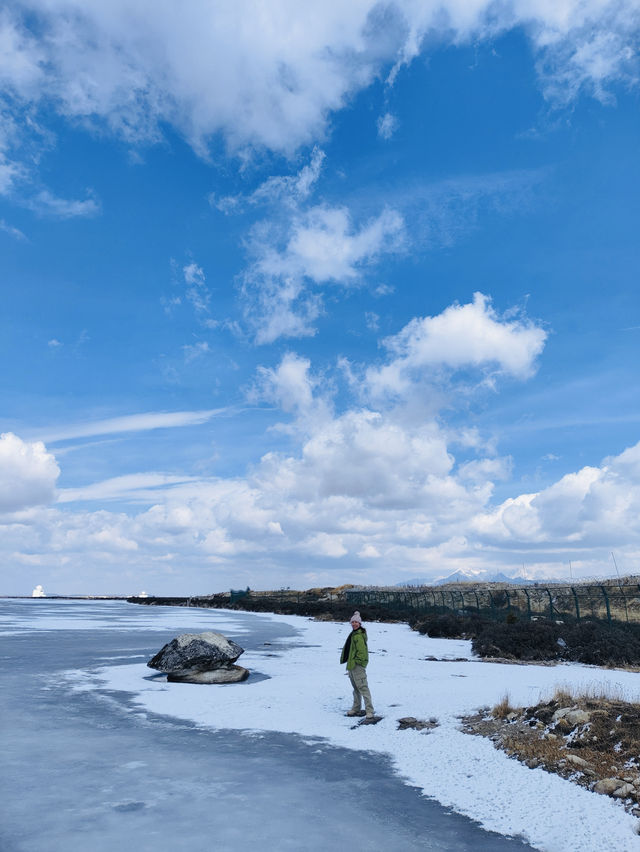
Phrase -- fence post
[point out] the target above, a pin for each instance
(477, 601)
(575, 598)
(493, 606)
(526, 592)
(550, 604)
(624, 600)
(606, 603)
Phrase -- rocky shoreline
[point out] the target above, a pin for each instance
(593, 742)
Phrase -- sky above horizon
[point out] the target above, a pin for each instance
(307, 294)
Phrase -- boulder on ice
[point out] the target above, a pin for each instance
(200, 658)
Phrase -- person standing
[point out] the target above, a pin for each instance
(356, 655)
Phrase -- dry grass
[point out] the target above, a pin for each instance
(600, 742)
(503, 708)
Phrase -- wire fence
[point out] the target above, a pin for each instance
(620, 603)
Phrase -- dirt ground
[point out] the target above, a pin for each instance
(594, 742)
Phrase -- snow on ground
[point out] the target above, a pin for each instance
(306, 693)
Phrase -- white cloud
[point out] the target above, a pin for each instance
(288, 64)
(139, 487)
(291, 189)
(9, 173)
(197, 292)
(7, 228)
(325, 247)
(324, 544)
(21, 57)
(132, 423)
(596, 507)
(136, 66)
(368, 493)
(387, 125)
(361, 490)
(321, 246)
(194, 351)
(289, 385)
(461, 337)
(28, 473)
(47, 204)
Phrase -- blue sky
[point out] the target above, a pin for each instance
(299, 296)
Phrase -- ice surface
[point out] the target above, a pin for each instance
(24, 616)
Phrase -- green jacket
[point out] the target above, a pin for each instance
(355, 651)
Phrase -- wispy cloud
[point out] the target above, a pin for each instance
(387, 125)
(13, 232)
(194, 351)
(45, 203)
(289, 190)
(133, 423)
(136, 487)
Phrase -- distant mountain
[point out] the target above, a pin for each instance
(470, 577)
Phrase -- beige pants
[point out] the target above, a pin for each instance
(358, 678)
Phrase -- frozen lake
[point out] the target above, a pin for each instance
(90, 770)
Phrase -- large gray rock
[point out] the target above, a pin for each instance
(192, 653)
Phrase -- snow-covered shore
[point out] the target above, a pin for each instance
(305, 692)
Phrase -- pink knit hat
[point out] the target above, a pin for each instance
(356, 617)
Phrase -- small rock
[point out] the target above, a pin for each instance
(577, 717)
(416, 724)
(579, 761)
(608, 786)
(624, 791)
(571, 715)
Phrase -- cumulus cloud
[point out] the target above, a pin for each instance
(595, 507)
(28, 473)
(289, 385)
(461, 337)
(363, 493)
(132, 68)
